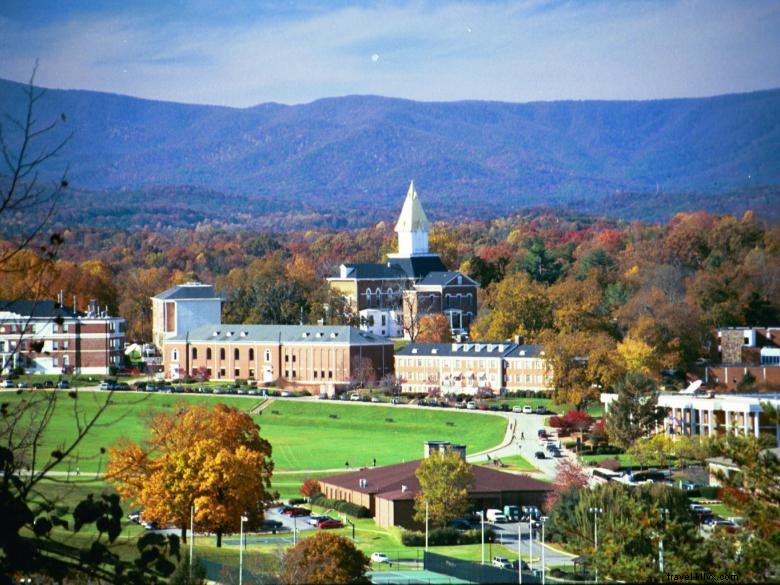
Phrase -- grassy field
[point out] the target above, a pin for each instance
(305, 435)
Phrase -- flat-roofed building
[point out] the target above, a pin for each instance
(316, 356)
(182, 308)
(45, 337)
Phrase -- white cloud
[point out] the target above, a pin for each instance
(515, 51)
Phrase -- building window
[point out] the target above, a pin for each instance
(330, 374)
(287, 373)
(55, 361)
(322, 373)
(293, 358)
(66, 361)
(55, 345)
(194, 353)
(315, 374)
(175, 355)
(251, 354)
(208, 372)
(222, 353)
(293, 373)
(286, 358)
(236, 373)
(236, 354)
(222, 372)
(208, 353)
(267, 355)
(65, 344)
(251, 373)
(65, 328)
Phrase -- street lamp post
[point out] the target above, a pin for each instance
(519, 557)
(596, 512)
(543, 519)
(426, 526)
(483, 536)
(664, 512)
(531, 543)
(241, 552)
(192, 534)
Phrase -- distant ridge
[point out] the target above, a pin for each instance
(468, 158)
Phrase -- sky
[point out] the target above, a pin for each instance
(242, 53)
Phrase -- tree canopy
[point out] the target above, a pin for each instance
(445, 480)
(322, 559)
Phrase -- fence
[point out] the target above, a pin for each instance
(473, 572)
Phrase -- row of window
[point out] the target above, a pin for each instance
(223, 353)
(467, 364)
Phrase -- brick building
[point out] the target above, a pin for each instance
(391, 297)
(46, 337)
(464, 368)
(743, 350)
(317, 357)
(389, 492)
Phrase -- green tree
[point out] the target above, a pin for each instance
(324, 558)
(445, 480)
(753, 552)
(635, 413)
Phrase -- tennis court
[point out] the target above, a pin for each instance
(412, 578)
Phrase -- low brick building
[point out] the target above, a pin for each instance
(389, 492)
(318, 357)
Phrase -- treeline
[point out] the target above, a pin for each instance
(585, 286)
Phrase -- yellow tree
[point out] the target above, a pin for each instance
(212, 459)
(445, 480)
(639, 357)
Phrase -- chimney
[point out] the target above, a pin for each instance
(519, 339)
(403, 488)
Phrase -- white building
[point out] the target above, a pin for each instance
(183, 308)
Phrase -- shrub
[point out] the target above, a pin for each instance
(710, 492)
(611, 464)
(412, 538)
(348, 508)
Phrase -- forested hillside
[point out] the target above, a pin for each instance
(347, 161)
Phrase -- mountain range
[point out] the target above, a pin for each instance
(354, 156)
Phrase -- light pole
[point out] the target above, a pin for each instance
(519, 558)
(531, 543)
(664, 512)
(543, 519)
(596, 512)
(192, 533)
(426, 526)
(483, 536)
(241, 552)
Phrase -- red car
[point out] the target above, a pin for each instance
(296, 512)
(330, 523)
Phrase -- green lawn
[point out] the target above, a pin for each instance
(595, 409)
(517, 463)
(304, 435)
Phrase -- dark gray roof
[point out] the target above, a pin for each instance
(444, 278)
(481, 348)
(417, 267)
(335, 334)
(191, 290)
(527, 350)
(374, 271)
(39, 309)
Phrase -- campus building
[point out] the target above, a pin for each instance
(390, 298)
(746, 351)
(184, 307)
(464, 368)
(45, 337)
(317, 357)
(389, 492)
(715, 414)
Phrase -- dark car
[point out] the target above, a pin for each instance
(296, 512)
(540, 455)
(272, 525)
(460, 524)
(525, 566)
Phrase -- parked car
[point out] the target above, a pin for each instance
(355, 397)
(134, 516)
(314, 520)
(542, 434)
(22, 385)
(296, 512)
(379, 557)
(330, 523)
(495, 515)
(527, 409)
(502, 563)
(376, 399)
(272, 525)
(541, 410)
(517, 409)
(725, 525)
(8, 384)
(540, 455)
(471, 405)
(525, 566)
(286, 394)
(63, 385)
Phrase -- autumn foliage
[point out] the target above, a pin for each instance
(310, 487)
(433, 328)
(324, 558)
(572, 421)
(212, 459)
(569, 475)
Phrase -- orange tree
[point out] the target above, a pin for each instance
(324, 558)
(434, 328)
(212, 459)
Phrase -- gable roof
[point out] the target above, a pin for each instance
(188, 291)
(448, 277)
(470, 349)
(290, 334)
(386, 482)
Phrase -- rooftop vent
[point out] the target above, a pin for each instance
(215, 334)
(363, 483)
(334, 334)
(403, 488)
(305, 334)
(414, 350)
(434, 351)
(229, 334)
(244, 333)
(522, 352)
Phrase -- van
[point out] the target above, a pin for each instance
(495, 515)
(512, 513)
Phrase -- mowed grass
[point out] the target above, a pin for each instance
(305, 435)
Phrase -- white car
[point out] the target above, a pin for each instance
(517, 409)
(502, 563)
(528, 410)
(379, 557)
(471, 405)
(355, 397)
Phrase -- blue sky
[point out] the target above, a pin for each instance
(243, 53)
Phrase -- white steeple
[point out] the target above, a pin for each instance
(412, 227)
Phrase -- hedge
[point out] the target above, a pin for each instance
(348, 508)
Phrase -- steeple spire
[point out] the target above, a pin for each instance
(412, 226)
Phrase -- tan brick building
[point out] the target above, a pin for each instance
(464, 368)
(313, 356)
